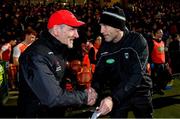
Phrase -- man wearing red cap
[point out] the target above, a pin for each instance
(42, 68)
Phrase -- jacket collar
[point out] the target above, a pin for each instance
(52, 43)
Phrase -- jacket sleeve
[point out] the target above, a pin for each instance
(151, 46)
(137, 67)
(40, 78)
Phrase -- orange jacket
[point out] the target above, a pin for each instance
(158, 53)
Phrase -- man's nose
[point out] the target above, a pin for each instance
(76, 34)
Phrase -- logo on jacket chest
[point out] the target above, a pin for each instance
(58, 66)
(110, 61)
(126, 55)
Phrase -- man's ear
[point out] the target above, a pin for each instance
(56, 30)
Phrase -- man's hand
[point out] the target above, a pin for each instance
(92, 96)
(105, 106)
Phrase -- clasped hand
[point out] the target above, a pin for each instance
(92, 96)
(106, 106)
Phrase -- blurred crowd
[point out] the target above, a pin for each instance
(144, 16)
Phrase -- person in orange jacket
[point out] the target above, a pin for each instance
(157, 60)
(93, 52)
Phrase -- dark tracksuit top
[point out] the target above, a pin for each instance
(42, 68)
(121, 69)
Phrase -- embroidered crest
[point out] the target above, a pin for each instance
(110, 61)
(126, 55)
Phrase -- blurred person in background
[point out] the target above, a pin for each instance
(6, 49)
(6, 55)
(29, 38)
(157, 60)
(93, 52)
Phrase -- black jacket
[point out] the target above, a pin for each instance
(121, 68)
(42, 68)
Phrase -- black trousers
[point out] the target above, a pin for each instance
(141, 107)
(159, 77)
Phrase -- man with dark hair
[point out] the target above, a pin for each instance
(157, 61)
(29, 37)
(120, 77)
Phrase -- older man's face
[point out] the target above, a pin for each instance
(67, 35)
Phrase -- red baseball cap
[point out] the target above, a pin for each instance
(63, 17)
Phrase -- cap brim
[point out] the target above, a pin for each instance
(76, 24)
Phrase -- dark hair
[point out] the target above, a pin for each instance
(156, 30)
(9, 38)
(30, 31)
(174, 36)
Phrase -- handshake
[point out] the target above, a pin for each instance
(106, 104)
(92, 96)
